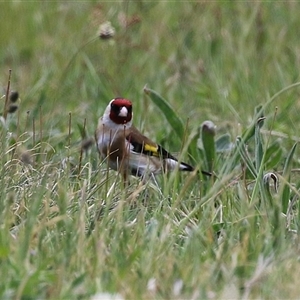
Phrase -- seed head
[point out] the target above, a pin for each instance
(106, 31)
(12, 108)
(13, 96)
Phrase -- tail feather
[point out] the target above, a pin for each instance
(186, 167)
(172, 163)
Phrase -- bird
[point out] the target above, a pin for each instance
(127, 150)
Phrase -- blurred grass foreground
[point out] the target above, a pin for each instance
(217, 83)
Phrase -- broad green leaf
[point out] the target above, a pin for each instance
(273, 155)
(208, 142)
(173, 119)
(223, 143)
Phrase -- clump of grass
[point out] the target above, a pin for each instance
(69, 228)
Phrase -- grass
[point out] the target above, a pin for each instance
(70, 230)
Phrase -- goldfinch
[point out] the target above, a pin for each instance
(126, 149)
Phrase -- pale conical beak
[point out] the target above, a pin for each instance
(123, 112)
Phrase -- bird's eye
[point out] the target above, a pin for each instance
(114, 107)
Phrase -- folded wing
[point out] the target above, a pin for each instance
(152, 154)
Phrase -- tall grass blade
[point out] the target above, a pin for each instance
(245, 157)
(250, 132)
(240, 147)
(258, 146)
(259, 163)
(286, 174)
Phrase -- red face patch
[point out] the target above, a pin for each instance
(115, 108)
(122, 102)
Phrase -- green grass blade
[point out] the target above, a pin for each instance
(286, 173)
(250, 132)
(273, 155)
(239, 149)
(245, 157)
(258, 146)
(259, 164)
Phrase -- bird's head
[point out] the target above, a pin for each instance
(118, 112)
